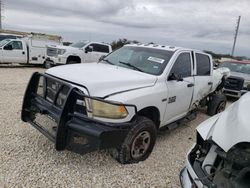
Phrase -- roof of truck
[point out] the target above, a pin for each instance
(162, 47)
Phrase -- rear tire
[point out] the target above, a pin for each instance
(216, 104)
(138, 144)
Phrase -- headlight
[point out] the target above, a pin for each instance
(246, 84)
(61, 51)
(106, 110)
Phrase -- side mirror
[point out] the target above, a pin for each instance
(88, 49)
(8, 47)
(176, 77)
(102, 57)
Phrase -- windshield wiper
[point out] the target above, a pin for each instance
(106, 60)
(130, 65)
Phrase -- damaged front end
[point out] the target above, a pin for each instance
(210, 166)
(60, 111)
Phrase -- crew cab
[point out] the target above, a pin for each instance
(120, 102)
(79, 52)
(26, 50)
(239, 81)
(221, 155)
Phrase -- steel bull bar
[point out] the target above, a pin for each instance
(57, 109)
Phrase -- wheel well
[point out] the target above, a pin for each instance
(151, 113)
(74, 58)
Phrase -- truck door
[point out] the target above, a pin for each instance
(15, 52)
(98, 51)
(180, 88)
(203, 76)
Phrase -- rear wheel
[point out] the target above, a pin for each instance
(138, 144)
(216, 104)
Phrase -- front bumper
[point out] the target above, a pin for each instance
(67, 124)
(234, 93)
(56, 60)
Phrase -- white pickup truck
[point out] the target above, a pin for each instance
(79, 52)
(25, 50)
(121, 101)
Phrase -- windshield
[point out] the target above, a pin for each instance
(79, 44)
(237, 67)
(3, 42)
(148, 60)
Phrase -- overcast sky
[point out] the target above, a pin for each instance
(201, 24)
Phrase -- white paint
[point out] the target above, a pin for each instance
(229, 127)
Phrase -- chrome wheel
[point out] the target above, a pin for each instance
(140, 144)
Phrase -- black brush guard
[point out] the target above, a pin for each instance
(57, 102)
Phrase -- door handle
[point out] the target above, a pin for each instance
(190, 85)
(210, 83)
(23, 53)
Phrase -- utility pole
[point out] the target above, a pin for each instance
(236, 34)
(0, 14)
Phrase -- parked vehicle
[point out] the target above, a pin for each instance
(80, 52)
(239, 81)
(123, 100)
(28, 50)
(221, 156)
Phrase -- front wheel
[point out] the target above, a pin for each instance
(47, 64)
(216, 104)
(138, 144)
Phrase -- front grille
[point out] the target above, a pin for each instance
(53, 91)
(234, 83)
(56, 93)
(52, 52)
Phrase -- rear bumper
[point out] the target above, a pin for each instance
(65, 126)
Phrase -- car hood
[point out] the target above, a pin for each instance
(242, 75)
(103, 79)
(229, 127)
(63, 47)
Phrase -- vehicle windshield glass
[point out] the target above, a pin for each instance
(148, 60)
(79, 44)
(237, 67)
(3, 42)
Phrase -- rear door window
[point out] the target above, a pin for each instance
(203, 65)
(100, 48)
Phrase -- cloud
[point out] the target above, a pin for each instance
(204, 24)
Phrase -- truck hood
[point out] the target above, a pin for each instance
(102, 79)
(229, 127)
(242, 75)
(63, 47)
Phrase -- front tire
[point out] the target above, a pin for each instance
(138, 144)
(216, 104)
(47, 64)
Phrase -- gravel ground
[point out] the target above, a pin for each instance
(28, 159)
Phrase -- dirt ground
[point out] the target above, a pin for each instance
(28, 159)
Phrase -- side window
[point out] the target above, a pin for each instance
(100, 48)
(182, 65)
(16, 45)
(203, 65)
